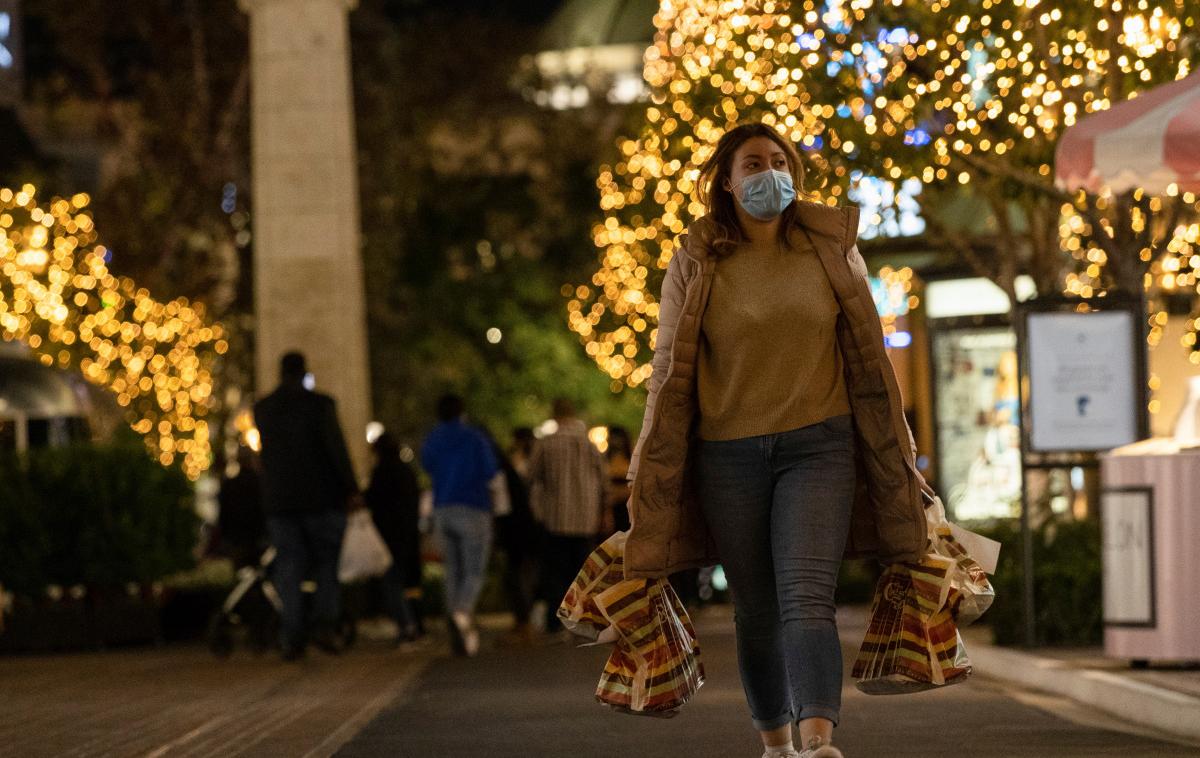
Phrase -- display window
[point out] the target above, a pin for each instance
(977, 421)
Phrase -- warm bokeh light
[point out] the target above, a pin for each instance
(58, 296)
(963, 96)
(598, 435)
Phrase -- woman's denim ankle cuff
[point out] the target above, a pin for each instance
(772, 724)
(819, 712)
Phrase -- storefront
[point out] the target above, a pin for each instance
(39, 406)
(976, 410)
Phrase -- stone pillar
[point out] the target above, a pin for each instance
(308, 284)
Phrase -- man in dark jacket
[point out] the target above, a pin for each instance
(308, 482)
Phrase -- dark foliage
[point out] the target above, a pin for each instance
(99, 516)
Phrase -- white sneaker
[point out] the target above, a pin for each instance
(789, 754)
(821, 751)
(471, 642)
(464, 636)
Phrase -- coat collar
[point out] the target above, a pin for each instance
(835, 223)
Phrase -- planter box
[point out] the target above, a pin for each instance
(118, 618)
(96, 620)
(185, 613)
(46, 626)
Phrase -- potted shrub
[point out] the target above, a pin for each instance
(104, 521)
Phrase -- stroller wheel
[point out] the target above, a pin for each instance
(220, 636)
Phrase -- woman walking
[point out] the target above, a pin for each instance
(774, 438)
(393, 497)
(517, 534)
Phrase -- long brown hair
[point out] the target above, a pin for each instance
(720, 202)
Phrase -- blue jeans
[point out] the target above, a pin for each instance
(778, 506)
(308, 545)
(466, 536)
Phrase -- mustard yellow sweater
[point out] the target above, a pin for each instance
(769, 360)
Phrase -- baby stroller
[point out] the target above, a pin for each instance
(252, 612)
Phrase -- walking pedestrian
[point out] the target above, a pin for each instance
(393, 496)
(460, 461)
(521, 450)
(241, 524)
(517, 534)
(568, 480)
(770, 385)
(308, 483)
(620, 450)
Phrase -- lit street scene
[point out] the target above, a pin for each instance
(591, 378)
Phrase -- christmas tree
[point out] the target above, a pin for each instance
(966, 97)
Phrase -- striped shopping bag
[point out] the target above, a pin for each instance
(603, 569)
(912, 641)
(655, 664)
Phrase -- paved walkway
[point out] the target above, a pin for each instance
(538, 702)
(1179, 677)
(1164, 697)
(180, 701)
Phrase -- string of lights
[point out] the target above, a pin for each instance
(948, 93)
(985, 89)
(710, 68)
(58, 296)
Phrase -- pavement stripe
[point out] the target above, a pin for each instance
(249, 726)
(207, 726)
(352, 726)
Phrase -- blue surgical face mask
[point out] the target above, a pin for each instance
(766, 194)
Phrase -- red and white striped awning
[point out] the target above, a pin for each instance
(1149, 141)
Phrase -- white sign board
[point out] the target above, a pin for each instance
(1082, 374)
(1127, 528)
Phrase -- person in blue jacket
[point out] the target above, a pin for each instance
(461, 463)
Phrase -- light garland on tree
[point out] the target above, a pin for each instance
(710, 67)
(985, 88)
(947, 93)
(58, 296)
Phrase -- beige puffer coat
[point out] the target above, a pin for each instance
(669, 532)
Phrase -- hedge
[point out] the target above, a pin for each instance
(94, 515)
